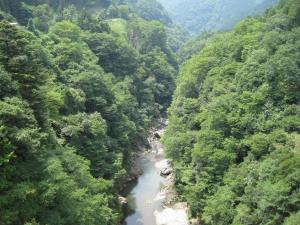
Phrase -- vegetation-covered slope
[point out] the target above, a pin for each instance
(81, 82)
(235, 120)
(153, 10)
(150, 10)
(199, 16)
(76, 97)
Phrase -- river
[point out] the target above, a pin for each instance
(146, 199)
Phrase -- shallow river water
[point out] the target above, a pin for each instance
(144, 199)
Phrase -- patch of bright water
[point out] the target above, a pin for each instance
(143, 199)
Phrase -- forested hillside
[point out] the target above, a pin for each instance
(198, 16)
(153, 10)
(79, 88)
(82, 81)
(234, 123)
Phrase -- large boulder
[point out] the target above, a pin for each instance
(157, 135)
(166, 171)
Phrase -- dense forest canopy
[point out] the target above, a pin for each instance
(153, 10)
(82, 81)
(198, 16)
(234, 123)
(78, 91)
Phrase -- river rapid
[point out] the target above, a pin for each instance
(147, 199)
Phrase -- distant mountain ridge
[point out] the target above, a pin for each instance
(198, 16)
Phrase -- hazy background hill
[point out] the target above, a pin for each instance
(198, 16)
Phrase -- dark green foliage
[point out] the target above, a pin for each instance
(79, 89)
(88, 134)
(177, 36)
(75, 102)
(161, 75)
(21, 141)
(39, 178)
(192, 47)
(6, 16)
(107, 47)
(234, 127)
(16, 9)
(21, 57)
(150, 10)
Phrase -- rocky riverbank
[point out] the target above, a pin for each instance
(173, 213)
(154, 196)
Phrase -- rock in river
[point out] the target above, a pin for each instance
(157, 135)
(166, 171)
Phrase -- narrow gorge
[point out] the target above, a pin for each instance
(152, 201)
(84, 85)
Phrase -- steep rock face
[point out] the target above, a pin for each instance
(198, 16)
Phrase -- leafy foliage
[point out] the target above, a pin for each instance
(76, 99)
(233, 127)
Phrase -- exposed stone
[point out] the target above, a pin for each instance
(166, 171)
(172, 213)
(194, 222)
(123, 201)
(157, 135)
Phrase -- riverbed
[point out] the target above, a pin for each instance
(146, 200)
